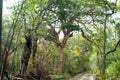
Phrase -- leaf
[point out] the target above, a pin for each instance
(23, 40)
(77, 50)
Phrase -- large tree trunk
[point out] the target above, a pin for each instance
(1, 4)
(26, 55)
(58, 60)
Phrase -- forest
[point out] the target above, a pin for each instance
(60, 40)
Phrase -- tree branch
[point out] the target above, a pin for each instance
(118, 43)
(15, 48)
(83, 35)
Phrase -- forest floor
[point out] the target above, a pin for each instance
(83, 76)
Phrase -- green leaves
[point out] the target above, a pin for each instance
(23, 40)
(118, 6)
(117, 29)
(70, 27)
(77, 50)
(114, 69)
(54, 77)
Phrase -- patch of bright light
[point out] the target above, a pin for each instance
(6, 5)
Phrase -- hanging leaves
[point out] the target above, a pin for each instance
(77, 50)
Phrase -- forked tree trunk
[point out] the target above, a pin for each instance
(26, 55)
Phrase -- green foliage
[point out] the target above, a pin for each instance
(23, 40)
(74, 69)
(70, 27)
(118, 6)
(93, 63)
(114, 69)
(117, 28)
(80, 62)
(67, 75)
(71, 12)
(58, 77)
(71, 63)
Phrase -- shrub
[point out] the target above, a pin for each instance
(114, 69)
(93, 63)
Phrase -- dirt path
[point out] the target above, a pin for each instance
(83, 76)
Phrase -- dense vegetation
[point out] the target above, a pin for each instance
(57, 39)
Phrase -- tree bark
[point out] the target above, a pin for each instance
(104, 48)
(26, 54)
(1, 5)
(58, 60)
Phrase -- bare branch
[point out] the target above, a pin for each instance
(15, 48)
(83, 35)
(111, 51)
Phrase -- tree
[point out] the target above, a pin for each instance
(8, 44)
(32, 14)
(61, 15)
(105, 27)
(102, 18)
(1, 6)
(59, 19)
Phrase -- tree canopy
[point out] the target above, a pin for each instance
(55, 39)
